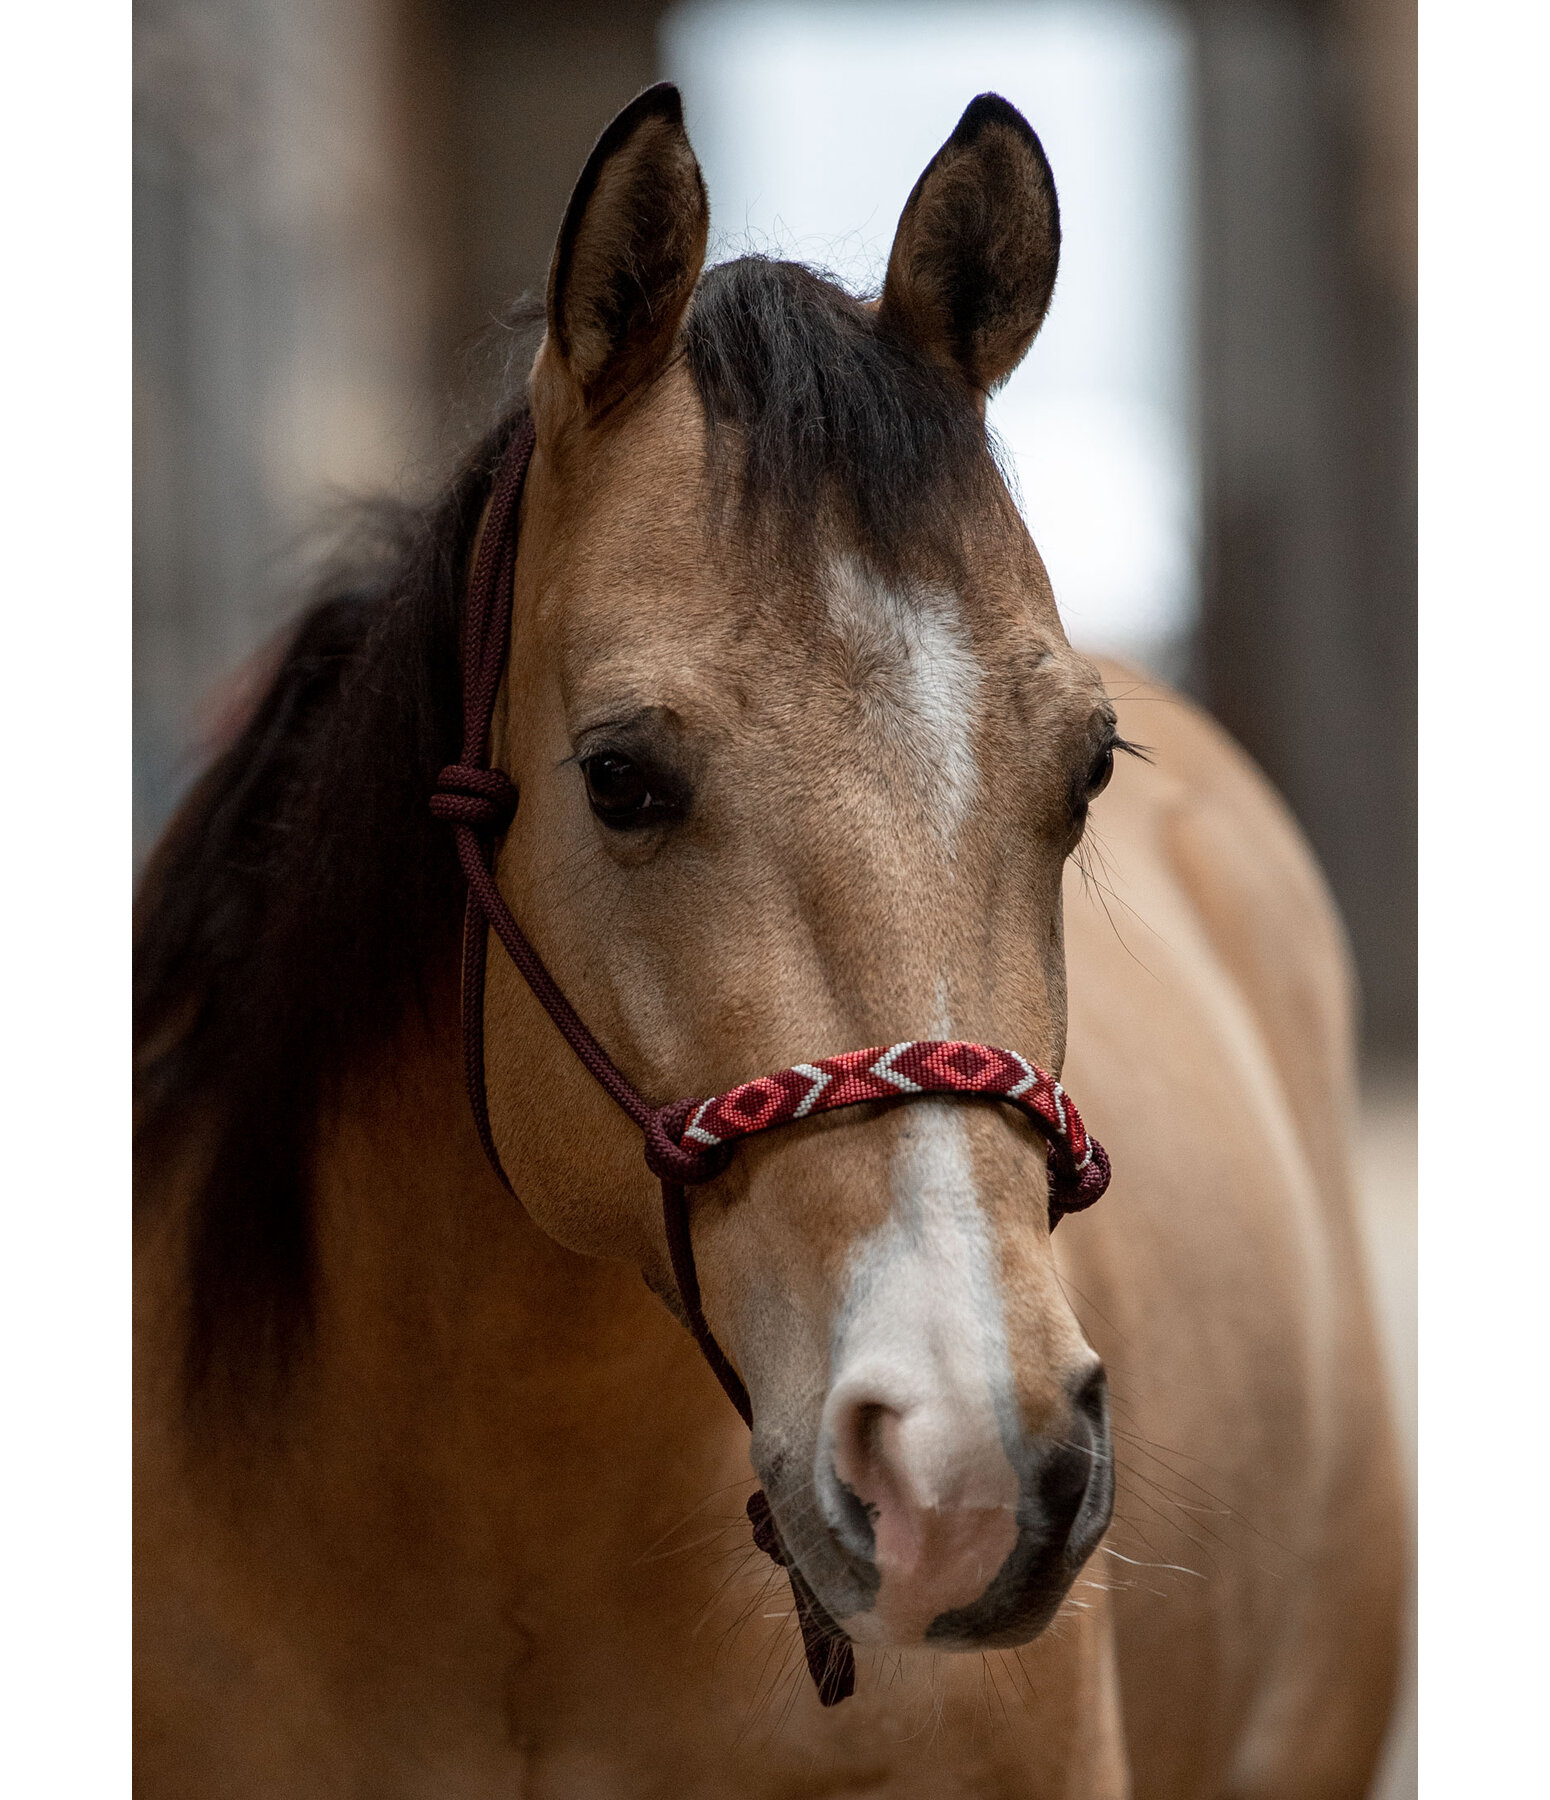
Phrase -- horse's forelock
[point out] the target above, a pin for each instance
(817, 413)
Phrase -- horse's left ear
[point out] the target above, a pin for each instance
(973, 261)
(627, 258)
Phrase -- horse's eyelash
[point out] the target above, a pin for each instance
(1142, 752)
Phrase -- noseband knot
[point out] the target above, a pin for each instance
(1075, 1192)
(669, 1158)
(485, 799)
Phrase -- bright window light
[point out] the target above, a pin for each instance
(813, 122)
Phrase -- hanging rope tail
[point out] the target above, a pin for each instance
(688, 1142)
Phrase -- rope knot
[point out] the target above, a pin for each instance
(484, 799)
(669, 1158)
(1073, 1190)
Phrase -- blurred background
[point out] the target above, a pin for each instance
(1214, 437)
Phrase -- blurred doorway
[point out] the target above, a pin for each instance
(812, 123)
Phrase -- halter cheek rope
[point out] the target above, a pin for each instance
(689, 1141)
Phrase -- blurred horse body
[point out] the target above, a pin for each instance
(435, 1497)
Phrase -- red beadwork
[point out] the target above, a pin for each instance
(928, 1066)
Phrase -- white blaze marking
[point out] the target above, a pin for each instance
(921, 1329)
(911, 663)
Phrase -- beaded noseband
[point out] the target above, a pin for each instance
(690, 1141)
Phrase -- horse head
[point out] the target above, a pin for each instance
(802, 751)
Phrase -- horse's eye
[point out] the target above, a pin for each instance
(1098, 775)
(617, 789)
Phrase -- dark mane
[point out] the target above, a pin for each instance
(292, 910)
(303, 896)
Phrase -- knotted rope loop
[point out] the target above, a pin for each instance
(465, 794)
(1075, 1190)
(669, 1158)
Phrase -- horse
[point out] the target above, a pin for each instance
(435, 1495)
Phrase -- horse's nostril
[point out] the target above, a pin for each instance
(1081, 1492)
(853, 1514)
(1091, 1398)
(855, 1522)
(866, 1423)
(1063, 1485)
(1075, 1481)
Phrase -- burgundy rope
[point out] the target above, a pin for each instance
(691, 1141)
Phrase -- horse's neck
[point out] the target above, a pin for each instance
(484, 1421)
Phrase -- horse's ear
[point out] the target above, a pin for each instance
(974, 259)
(628, 256)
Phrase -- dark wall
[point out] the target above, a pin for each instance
(1307, 641)
(527, 89)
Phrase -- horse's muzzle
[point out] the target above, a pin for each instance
(967, 1552)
